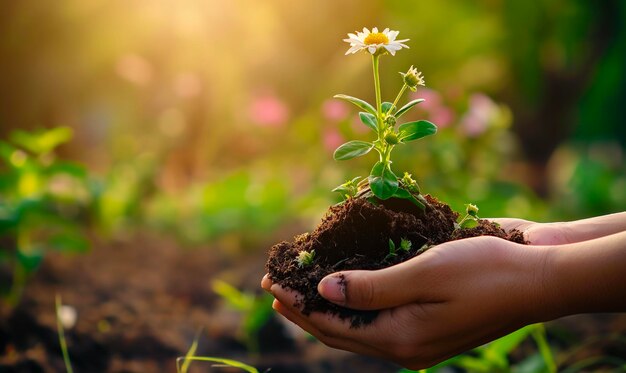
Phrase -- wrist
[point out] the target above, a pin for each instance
(585, 277)
(539, 298)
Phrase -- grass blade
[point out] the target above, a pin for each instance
(62, 342)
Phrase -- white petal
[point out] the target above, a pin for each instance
(366, 30)
(375, 30)
(372, 49)
(354, 49)
(401, 41)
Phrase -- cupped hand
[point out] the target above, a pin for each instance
(452, 298)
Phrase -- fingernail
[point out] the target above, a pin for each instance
(333, 288)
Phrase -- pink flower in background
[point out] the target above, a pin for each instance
(357, 125)
(481, 110)
(267, 110)
(331, 139)
(334, 110)
(442, 116)
(432, 98)
(134, 68)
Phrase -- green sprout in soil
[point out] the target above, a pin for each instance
(383, 119)
(305, 258)
(470, 220)
(405, 245)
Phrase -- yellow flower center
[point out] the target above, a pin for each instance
(376, 38)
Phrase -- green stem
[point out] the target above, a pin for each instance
(399, 95)
(66, 356)
(378, 96)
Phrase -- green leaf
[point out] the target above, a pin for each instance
(408, 107)
(352, 149)
(392, 247)
(30, 260)
(405, 194)
(388, 108)
(42, 141)
(192, 351)
(229, 362)
(506, 344)
(233, 296)
(383, 182)
(369, 120)
(69, 241)
(416, 130)
(469, 223)
(70, 168)
(260, 314)
(358, 102)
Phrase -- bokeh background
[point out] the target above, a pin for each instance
(212, 124)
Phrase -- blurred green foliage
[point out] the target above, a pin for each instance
(43, 201)
(256, 310)
(494, 357)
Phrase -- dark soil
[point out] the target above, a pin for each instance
(140, 302)
(356, 234)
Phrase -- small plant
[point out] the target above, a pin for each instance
(43, 203)
(405, 245)
(349, 189)
(383, 119)
(470, 220)
(305, 258)
(183, 363)
(256, 311)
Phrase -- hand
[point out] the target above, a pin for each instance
(560, 233)
(464, 293)
(452, 298)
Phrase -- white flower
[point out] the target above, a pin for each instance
(375, 42)
(67, 315)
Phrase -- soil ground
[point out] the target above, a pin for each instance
(140, 302)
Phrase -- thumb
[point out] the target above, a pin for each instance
(372, 290)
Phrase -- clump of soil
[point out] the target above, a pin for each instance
(356, 234)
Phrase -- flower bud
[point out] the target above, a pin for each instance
(413, 78)
(390, 121)
(410, 184)
(391, 138)
(472, 210)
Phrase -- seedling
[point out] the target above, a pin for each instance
(405, 245)
(382, 118)
(305, 258)
(470, 220)
(349, 189)
(255, 309)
